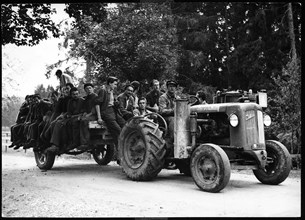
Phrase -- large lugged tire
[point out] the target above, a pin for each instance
(43, 160)
(141, 149)
(278, 164)
(210, 167)
(103, 155)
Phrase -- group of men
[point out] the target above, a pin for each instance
(62, 123)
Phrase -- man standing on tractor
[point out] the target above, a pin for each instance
(63, 79)
(166, 109)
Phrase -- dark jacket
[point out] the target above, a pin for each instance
(124, 108)
(153, 98)
(88, 102)
(102, 99)
(75, 106)
(166, 105)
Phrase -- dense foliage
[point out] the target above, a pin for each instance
(26, 24)
(10, 109)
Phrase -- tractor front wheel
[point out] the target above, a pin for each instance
(210, 168)
(278, 164)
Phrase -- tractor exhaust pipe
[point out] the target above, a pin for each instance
(181, 129)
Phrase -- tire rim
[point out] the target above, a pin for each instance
(207, 170)
(100, 153)
(41, 158)
(134, 149)
(272, 161)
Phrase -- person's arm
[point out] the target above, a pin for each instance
(98, 113)
(136, 112)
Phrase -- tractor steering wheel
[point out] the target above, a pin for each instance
(158, 119)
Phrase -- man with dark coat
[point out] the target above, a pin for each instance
(126, 102)
(152, 97)
(89, 115)
(63, 131)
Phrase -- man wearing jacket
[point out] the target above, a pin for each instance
(105, 105)
(126, 102)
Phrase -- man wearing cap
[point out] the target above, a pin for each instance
(126, 102)
(166, 101)
(166, 109)
(88, 115)
(105, 105)
(63, 79)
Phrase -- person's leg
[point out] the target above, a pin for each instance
(84, 129)
(169, 139)
(109, 117)
(57, 136)
(120, 120)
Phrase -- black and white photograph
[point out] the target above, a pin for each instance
(151, 109)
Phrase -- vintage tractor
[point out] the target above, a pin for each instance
(209, 141)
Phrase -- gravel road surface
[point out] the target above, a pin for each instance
(81, 188)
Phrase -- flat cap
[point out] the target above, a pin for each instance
(171, 82)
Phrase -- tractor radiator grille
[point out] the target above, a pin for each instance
(251, 127)
(254, 127)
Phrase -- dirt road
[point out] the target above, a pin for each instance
(81, 188)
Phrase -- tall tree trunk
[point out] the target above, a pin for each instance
(227, 45)
(291, 32)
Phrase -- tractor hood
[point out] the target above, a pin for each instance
(224, 107)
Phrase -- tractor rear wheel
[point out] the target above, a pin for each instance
(278, 164)
(210, 167)
(44, 160)
(141, 149)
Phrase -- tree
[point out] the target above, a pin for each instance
(136, 41)
(44, 92)
(10, 109)
(26, 24)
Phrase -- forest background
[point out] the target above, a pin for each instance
(203, 45)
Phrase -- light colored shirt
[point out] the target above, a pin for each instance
(64, 79)
(138, 112)
(111, 97)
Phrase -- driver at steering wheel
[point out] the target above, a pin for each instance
(141, 111)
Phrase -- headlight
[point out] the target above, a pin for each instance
(267, 120)
(233, 120)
